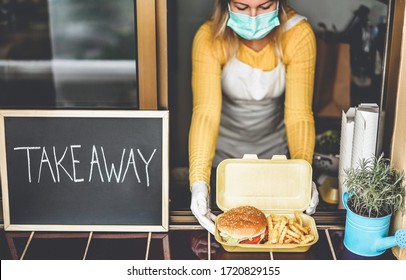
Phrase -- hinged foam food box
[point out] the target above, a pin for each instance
(276, 186)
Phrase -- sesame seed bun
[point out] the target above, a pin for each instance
(242, 222)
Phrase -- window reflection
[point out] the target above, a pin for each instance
(68, 54)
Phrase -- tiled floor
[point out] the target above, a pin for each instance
(183, 245)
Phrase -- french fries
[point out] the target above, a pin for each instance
(269, 222)
(273, 237)
(288, 230)
(298, 219)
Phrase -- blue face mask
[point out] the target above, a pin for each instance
(253, 28)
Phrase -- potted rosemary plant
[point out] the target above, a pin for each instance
(375, 191)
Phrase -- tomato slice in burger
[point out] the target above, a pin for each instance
(254, 240)
(257, 239)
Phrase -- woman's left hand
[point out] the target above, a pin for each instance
(314, 201)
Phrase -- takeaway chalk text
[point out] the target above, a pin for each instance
(99, 166)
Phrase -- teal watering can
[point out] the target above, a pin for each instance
(369, 236)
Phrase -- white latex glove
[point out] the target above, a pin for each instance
(313, 201)
(200, 206)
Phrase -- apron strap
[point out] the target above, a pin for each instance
(293, 21)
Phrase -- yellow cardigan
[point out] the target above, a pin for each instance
(299, 57)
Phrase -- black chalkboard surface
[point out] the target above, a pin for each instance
(84, 170)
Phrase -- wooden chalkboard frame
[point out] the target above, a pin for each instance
(163, 114)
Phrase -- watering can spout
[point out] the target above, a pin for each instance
(399, 239)
(384, 243)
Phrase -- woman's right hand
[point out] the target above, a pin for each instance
(200, 206)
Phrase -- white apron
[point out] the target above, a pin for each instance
(252, 116)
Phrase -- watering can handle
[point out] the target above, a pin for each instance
(345, 199)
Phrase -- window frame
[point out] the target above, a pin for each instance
(152, 41)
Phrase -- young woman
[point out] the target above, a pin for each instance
(253, 69)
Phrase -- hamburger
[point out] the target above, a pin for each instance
(243, 225)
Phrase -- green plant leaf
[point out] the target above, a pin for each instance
(376, 189)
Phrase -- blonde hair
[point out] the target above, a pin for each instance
(227, 37)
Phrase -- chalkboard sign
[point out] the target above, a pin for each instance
(68, 170)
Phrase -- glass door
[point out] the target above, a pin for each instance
(78, 54)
